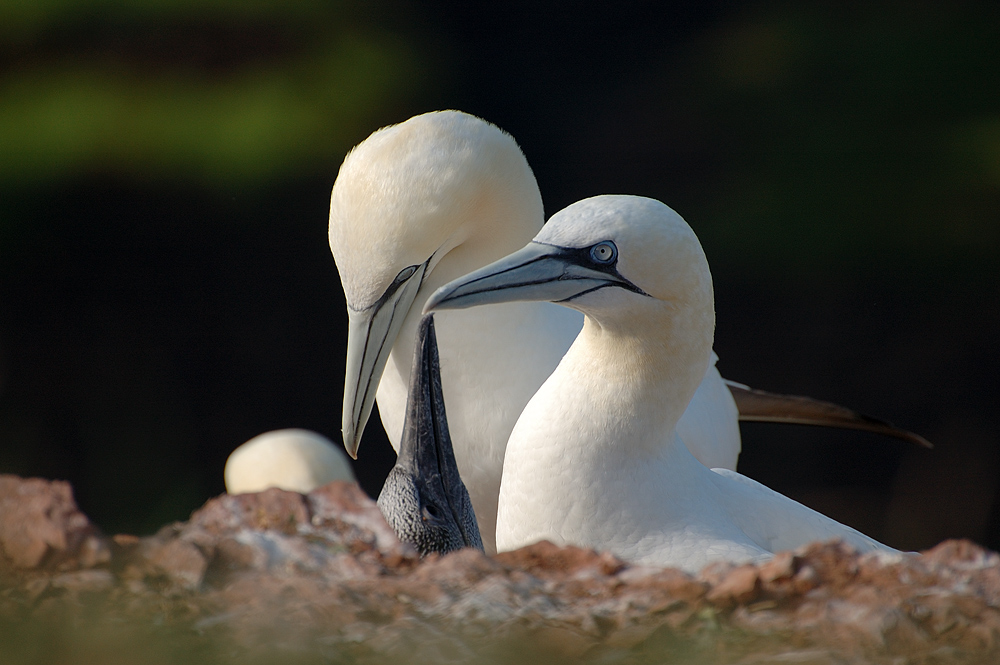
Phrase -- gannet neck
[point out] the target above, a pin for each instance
(649, 370)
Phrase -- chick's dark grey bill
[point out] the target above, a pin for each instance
(424, 499)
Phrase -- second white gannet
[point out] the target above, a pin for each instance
(595, 460)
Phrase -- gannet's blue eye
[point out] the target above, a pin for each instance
(604, 252)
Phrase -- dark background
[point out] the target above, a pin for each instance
(167, 292)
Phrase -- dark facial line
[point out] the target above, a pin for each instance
(381, 345)
(596, 288)
(581, 256)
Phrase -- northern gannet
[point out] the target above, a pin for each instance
(296, 460)
(423, 498)
(595, 460)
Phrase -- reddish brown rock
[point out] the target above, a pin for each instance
(182, 562)
(780, 569)
(544, 557)
(320, 578)
(672, 586)
(739, 585)
(41, 527)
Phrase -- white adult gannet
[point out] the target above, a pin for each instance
(595, 460)
(423, 202)
(296, 460)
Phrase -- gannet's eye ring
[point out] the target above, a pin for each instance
(405, 274)
(604, 252)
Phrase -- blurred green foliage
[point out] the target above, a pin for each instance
(19, 17)
(831, 130)
(89, 635)
(264, 90)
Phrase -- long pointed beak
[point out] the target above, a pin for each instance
(536, 272)
(371, 333)
(426, 451)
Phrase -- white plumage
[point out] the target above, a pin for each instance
(594, 459)
(296, 460)
(421, 203)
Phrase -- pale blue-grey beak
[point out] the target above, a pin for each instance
(371, 332)
(536, 272)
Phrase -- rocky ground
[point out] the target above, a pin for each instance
(320, 578)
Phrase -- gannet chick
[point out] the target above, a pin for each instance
(296, 460)
(423, 202)
(594, 460)
(423, 498)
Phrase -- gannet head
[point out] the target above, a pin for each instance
(637, 271)
(296, 460)
(442, 191)
(615, 258)
(424, 499)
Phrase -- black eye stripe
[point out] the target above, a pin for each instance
(582, 256)
(405, 274)
(401, 278)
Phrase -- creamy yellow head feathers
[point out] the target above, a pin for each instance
(422, 188)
